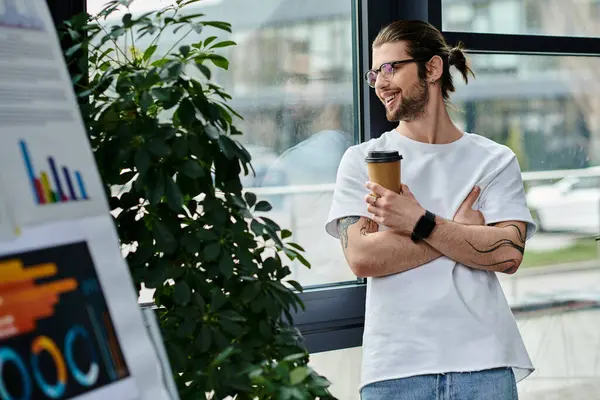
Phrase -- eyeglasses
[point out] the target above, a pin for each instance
(386, 70)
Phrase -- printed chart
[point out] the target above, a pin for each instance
(57, 339)
(61, 186)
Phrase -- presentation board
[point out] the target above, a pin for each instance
(70, 324)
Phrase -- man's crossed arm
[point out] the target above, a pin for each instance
(466, 240)
(371, 253)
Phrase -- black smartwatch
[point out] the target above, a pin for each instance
(424, 227)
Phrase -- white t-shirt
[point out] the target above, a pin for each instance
(442, 316)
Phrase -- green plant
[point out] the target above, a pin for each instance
(163, 133)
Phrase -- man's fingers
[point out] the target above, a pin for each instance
(376, 188)
(370, 199)
(471, 198)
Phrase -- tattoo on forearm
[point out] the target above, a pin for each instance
(519, 233)
(368, 227)
(511, 264)
(343, 225)
(499, 244)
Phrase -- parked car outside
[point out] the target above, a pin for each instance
(571, 204)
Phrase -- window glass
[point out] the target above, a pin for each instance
(290, 77)
(534, 17)
(548, 111)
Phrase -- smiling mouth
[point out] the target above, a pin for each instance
(390, 99)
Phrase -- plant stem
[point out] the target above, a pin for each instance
(112, 40)
(155, 40)
(179, 41)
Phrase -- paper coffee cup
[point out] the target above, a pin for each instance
(384, 169)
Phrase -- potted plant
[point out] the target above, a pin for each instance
(164, 136)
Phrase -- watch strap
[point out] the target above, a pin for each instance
(424, 226)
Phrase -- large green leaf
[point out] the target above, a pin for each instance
(218, 24)
(174, 196)
(218, 300)
(192, 169)
(226, 266)
(225, 43)
(219, 61)
(164, 238)
(186, 112)
(212, 251)
(183, 293)
(142, 161)
(149, 52)
(250, 198)
(299, 374)
(156, 189)
(180, 147)
(203, 341)
(184, 50)
(186, 328)
(263, 206)
(146, 101)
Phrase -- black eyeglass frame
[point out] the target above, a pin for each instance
(393, 65)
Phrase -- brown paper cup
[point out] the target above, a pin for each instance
(384, 168)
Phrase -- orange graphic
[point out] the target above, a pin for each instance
(114, 347)
(22, 301)
(42, 343)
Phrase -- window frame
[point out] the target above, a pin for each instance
(334, 314)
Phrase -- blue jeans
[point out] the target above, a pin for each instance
(492, 384)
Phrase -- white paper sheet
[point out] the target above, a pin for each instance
(65, 289)
(6, 225)
(46, 163)
(83, 253)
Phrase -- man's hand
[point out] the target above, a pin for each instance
(399, 212)
(465, 214)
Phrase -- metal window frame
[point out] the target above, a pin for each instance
(498, 43)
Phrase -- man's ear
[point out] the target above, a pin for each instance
(435, 69)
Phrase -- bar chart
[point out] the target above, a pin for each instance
(56, 184)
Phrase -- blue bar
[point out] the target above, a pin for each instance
(69, 183)
(81, 185)
(29, 167)
(61, 193)
(102, 343)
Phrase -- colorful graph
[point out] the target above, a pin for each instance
(56, 335)
(46, 192)
(22, 302)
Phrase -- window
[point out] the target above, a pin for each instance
(536, 94)
(291, 78)
(532, 17)
(550, 120)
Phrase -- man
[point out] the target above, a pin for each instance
(437, 324)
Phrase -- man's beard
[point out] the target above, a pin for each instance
(413, 105)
